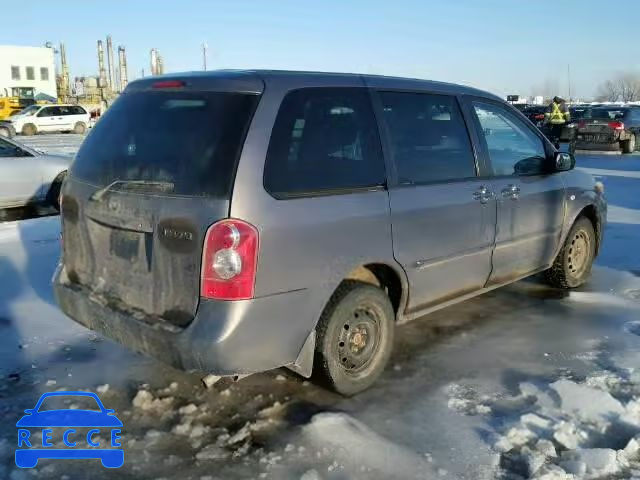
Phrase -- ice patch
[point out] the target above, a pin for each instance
(353, 444)
(102, 388)
(213, 452)
(311, 475)
(594, 462)
(587, 403)
(601, 299)
(144, 400)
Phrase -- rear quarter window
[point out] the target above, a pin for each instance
(324, 140)
(191, 140)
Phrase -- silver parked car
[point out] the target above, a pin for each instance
(234, 222)
(28, 176)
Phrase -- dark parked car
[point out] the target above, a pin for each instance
(234, 222)
(609, 128)
(535, 113)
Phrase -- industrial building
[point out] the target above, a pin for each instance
(27, 67)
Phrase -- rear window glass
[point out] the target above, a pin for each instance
(428, 137)
(608, 113)
(324, 140)
(190, 140)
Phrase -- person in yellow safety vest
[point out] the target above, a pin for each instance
(556, 117)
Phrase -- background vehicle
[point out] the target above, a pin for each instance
(19, 98)
(6, 129)
(609, 128)
(535, 113)
(267, 241)
(51, 118)
(28, 176)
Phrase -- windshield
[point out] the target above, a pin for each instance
(27, 112)
(188, 139)
(23, 92)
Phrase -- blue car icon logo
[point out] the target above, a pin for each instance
(66, 422)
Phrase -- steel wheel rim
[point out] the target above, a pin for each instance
(579, 252)
(358, 339)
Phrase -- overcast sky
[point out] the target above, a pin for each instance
(505, 46)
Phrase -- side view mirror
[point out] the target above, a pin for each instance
(564, 162)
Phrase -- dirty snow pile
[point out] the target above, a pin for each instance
(563, 430)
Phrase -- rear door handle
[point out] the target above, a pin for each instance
(511, 191)
(483, 194)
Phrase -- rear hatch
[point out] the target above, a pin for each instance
(153, 175)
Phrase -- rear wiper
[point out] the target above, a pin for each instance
(147, 184)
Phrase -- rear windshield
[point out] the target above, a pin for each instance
(608, 113)
(579, 113)
(189, 140)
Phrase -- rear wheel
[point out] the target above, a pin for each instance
(354, 337)
(29, 129)
(79, 128)
(628, 146)
(572, 266)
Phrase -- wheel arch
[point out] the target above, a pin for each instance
(385, 276)
(55, 188)
(390, 278)
(591, 213)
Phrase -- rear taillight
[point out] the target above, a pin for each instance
(229, 261)
(168, 84)
(617, 125)
(539, 116)
(582, 124)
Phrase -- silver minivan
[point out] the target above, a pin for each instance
(234, 222)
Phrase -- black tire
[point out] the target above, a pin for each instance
(572, 266)
(628, 146)
(79, 128)
(29, 129)
(354, 338)
(53, 195)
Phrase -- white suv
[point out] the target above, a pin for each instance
(51, 118)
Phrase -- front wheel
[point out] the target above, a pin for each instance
(572, 266)
(354, 337)
(628, 146)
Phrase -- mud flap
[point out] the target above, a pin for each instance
(303, 365)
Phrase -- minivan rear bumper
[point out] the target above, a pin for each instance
(225, 338)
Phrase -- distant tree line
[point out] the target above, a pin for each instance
(625, 87)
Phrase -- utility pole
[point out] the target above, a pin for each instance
(204, 56)
(569, 80)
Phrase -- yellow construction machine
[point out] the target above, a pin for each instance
(15, 100)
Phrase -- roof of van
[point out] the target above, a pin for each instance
(254, 80)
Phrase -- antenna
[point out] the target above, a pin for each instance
(569, 80)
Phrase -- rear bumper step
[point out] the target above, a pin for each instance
(225, 338)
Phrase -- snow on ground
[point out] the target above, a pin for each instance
(523, 382)
(63, 143)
